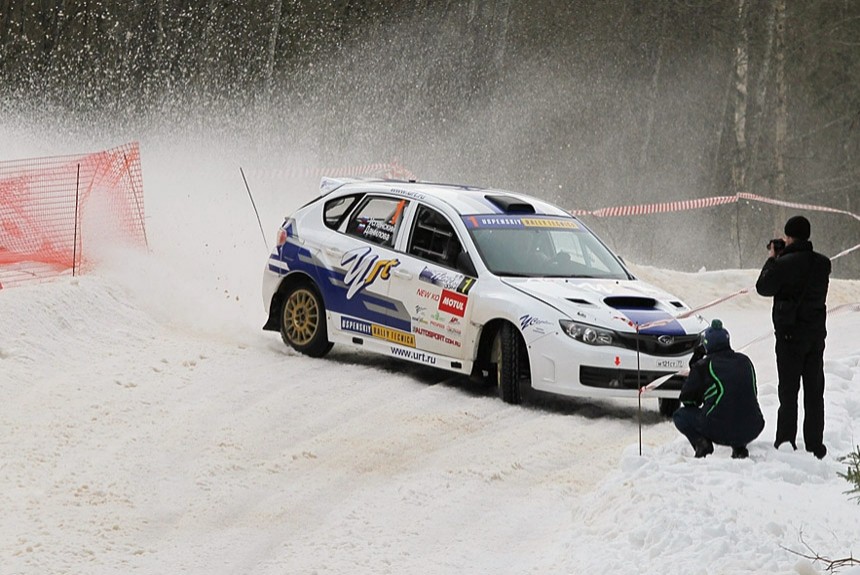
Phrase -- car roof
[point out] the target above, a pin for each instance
(463, 199)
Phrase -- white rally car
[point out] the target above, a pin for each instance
(477, 281)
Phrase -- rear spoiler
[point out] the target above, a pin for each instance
(329, 184)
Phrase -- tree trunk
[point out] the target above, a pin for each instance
(781, 110)
(741, 71)
(652, 95)
(721, 125)
(760, 104)
(741, 75)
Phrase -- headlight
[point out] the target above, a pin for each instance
(587, 333)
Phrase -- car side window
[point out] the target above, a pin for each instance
(377, 219)
(433, 238)
(336, 210)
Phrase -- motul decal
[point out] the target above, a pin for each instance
(453, 303)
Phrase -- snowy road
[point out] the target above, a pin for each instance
(135, 444)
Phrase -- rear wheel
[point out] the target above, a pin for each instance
(303, 324)
(509, 360)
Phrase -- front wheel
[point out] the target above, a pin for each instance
(509, 357)
(303, 324)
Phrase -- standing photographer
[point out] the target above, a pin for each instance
(797, 279)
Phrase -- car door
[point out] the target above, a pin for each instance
(428, 282)
(362, 257)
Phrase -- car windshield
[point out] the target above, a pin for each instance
(541, 246)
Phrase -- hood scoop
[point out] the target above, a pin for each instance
(630, 302)
(579, 301)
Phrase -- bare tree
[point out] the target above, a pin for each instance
(781, 109)
(741, 76)
(762, 83)
(741, 81)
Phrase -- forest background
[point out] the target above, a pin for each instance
(591, 103)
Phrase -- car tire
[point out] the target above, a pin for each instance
(303, 322)
(668, 406)
(509, 358)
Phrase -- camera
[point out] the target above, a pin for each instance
(777, 244)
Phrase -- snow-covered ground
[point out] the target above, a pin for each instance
(148, 425)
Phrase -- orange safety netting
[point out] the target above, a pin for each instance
(54, 211)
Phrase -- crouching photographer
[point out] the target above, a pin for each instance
(719, 398)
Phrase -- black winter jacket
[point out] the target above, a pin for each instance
(798, 281)
(723, 383)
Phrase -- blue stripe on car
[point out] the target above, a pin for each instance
(333, 288)
(643, 316)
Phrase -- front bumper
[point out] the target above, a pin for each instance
(564, 366)
(625, 378)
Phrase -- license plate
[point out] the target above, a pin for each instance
(670, 363)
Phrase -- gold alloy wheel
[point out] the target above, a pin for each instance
(301, 316)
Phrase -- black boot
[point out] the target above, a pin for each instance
(779, 442)
(819, 451)
(740, 452)
(704, 447)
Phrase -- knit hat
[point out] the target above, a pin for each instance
(716, 337)
(797, 227)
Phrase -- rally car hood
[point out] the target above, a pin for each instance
(621, 305)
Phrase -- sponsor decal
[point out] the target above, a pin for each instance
(393, 335)
(414, 355)
(493, 222)
(520, 222)
(355, 325)
(436, 336)
(375, 330)
(549, 223)
(440, 278)
(408, 194)
(364, 268)
(454, 326)
(453, 303)
(376, 229)
(447, 280)
(427, 294)
(536, 324)
(466, 285)
(617, 360)
(419, 314)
